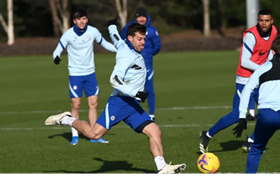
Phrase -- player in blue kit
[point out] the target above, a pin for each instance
(267, 79)
(79, 42)
(128, 80)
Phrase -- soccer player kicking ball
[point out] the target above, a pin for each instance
(267, 79)
(128, 79)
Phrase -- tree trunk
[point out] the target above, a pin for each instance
(206, 21)
(54, 18)
(60, 15)
(11, 34)
(65, 16)
(122, 11)
(9, 26)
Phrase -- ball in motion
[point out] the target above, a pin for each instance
(208, 163)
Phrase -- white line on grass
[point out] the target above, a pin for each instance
(61, 127)
(165, 108)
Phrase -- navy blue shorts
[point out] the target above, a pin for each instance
(127, 109)
(88, 83)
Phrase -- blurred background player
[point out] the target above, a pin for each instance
(123, 104)
(267, 78)
(79, 41)
(151, 48)
(255, 50)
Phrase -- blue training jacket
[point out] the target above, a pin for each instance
(152, 42)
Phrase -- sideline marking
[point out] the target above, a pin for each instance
(167, 108)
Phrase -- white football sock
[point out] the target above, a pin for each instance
(252, 112)
(160, 162)
(66, 120)
(74, 132)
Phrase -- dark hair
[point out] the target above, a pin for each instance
(135, 27)
(275, 46)
(79, 13)
(265, 12)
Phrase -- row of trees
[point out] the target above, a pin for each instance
(22, 18)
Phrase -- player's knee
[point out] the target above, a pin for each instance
(92, 102)
(153, 131)
(234, 114)
(94, 136)
(158, 133)
(75, 105)
(93, 105)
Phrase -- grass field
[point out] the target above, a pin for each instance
(193, 90)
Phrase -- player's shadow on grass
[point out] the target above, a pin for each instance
(231, 145)
(68, 136)
(110, 166)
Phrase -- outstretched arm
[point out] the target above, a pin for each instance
(104, 43)
(114, 33)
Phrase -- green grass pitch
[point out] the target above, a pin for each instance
(193, 90)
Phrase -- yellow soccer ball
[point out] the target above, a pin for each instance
(208, 163)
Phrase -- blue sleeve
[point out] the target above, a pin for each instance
(62, 44)
(155, 41)
(123, 32)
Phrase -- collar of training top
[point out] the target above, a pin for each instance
(130, 46)
(79, 31)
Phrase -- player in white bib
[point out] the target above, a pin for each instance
(128, 80)
(79, 41)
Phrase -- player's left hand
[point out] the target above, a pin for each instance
(112, 22)
(57, 60)
(239, 128)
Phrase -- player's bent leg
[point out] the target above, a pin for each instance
(93, 132)
(223, 123)
(153, 131)
(92, 115)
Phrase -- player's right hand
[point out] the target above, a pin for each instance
(57, 60)
(112, 22)
(141, 96)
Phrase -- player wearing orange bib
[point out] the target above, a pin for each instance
(255, 50)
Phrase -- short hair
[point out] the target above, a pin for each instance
(265, 12)
(135, 27)
(79, 13)
(275, 46)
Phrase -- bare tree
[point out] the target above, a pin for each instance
(9, 26)
(206, 21)
(55, 18)
(60, 15)
(122, 11)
